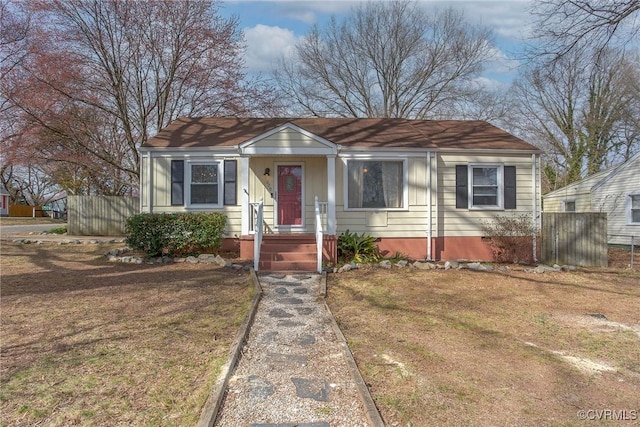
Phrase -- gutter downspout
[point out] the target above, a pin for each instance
(429, 213)
(435, 157)
(534, 192)
(140, 185)
(149, 183)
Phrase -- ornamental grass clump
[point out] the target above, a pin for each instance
(360, 248)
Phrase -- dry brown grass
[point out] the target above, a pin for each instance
(493, 349)
(30, 221)
(87, 342)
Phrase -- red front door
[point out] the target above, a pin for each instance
(289, 195)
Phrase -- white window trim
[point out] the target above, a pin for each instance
(628, 208)
(564, 205)
(187, 184)
(405, 182)
(500, 195)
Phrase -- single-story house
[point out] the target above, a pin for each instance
(615, 191)
(4, 201)
(421, 187)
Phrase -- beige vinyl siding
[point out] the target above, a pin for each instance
(552, 204)
(464, 222)
(578, 192)
(315, 177)
(555, 202)
(315, 184)
(288, 138)
(410, 222)
(161, 191)
(611, 197)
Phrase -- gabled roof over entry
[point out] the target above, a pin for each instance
(348, 132)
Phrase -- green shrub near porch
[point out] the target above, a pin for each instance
(175, 234)
(360, 248)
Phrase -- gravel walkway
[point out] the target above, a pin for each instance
(293, 371)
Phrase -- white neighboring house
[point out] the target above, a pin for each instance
(615, 191)
(4, 202)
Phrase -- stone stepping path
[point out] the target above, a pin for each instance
(292, 371)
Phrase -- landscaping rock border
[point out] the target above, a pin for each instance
(26, 241)
(126, 255)
(449, 265)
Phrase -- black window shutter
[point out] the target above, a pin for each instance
(462, 181)
(177, 182)
(509, 187)
(230, 182)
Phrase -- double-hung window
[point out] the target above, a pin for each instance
(376, 184)
(485, 183)
(485, 186)
(633, 204)
(203, 184)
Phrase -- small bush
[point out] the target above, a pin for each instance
(58, 230)
(358, 248)
(175, 234)
(510, 237)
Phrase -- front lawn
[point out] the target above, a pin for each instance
(459, 347)
(88, 342)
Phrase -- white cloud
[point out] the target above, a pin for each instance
(500, 62)
(310, 12)
(266, 45)
(306, 16)
(508, 19)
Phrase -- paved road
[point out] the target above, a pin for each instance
(26, 229)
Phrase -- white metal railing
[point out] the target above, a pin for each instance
(319, 207)
(323, 214)
(258, 228)
(253, 212)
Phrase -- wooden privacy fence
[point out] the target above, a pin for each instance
(574, 238)
(99, 215)
(26, 211)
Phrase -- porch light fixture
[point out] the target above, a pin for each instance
(267, 172)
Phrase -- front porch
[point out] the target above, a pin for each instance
(287, 250)
(283, 177)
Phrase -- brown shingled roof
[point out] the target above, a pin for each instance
(389, 133)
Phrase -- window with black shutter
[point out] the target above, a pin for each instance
(509, 187)
(462, 193)
(485, 186)
(177, 182)
(230, 182)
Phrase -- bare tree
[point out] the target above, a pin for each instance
(118, 72)
(578, 110)
(567, 25)
(386, 59)
(14, 29)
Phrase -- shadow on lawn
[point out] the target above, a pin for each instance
(68, 271)
(82, 300)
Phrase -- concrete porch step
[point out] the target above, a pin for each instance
(289, 252)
